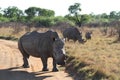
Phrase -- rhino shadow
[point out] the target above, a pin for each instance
(14, 74)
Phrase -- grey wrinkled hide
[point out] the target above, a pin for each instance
(73, 34)
(42, 45)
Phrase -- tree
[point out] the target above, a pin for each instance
(35, 11)
(31, 12)
(13, 13)
(0, 12)
(85, 18)
(75, 9)
(45, 12)
(113, 15)
(118, 16)
(104, 15)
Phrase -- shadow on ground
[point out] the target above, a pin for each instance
(14, 74)
(81, 72)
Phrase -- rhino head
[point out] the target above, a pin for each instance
(58, 51)
(79, 37)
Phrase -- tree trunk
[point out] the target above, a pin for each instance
(78, 22)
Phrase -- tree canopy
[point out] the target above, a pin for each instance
(75, 9)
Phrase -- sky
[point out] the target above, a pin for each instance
(61, 6)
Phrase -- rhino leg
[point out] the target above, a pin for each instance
(54, 66)
(44, 62)
(24, 54)
(25, 59)
(25, 65)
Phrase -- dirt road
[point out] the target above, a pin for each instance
(11, 60)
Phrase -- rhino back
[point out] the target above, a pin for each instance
(71, 33)
(37, 44)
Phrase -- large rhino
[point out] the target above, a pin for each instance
(73, 34)
(42, 45)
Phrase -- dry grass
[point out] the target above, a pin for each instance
(8, 31)
(97, 56)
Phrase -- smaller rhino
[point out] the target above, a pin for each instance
(73, 34)
(88, 35)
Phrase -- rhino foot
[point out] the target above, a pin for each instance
(55, 70)
(44, 69)
(25, 66)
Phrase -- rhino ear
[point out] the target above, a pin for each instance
(53, 39)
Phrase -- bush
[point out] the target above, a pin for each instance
(4, 19)
(49, 21)
(43, 21)
(60, 19)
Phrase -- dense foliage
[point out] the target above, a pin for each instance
(44, 17)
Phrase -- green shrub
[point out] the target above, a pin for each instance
(43, 21)
(4, 19)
